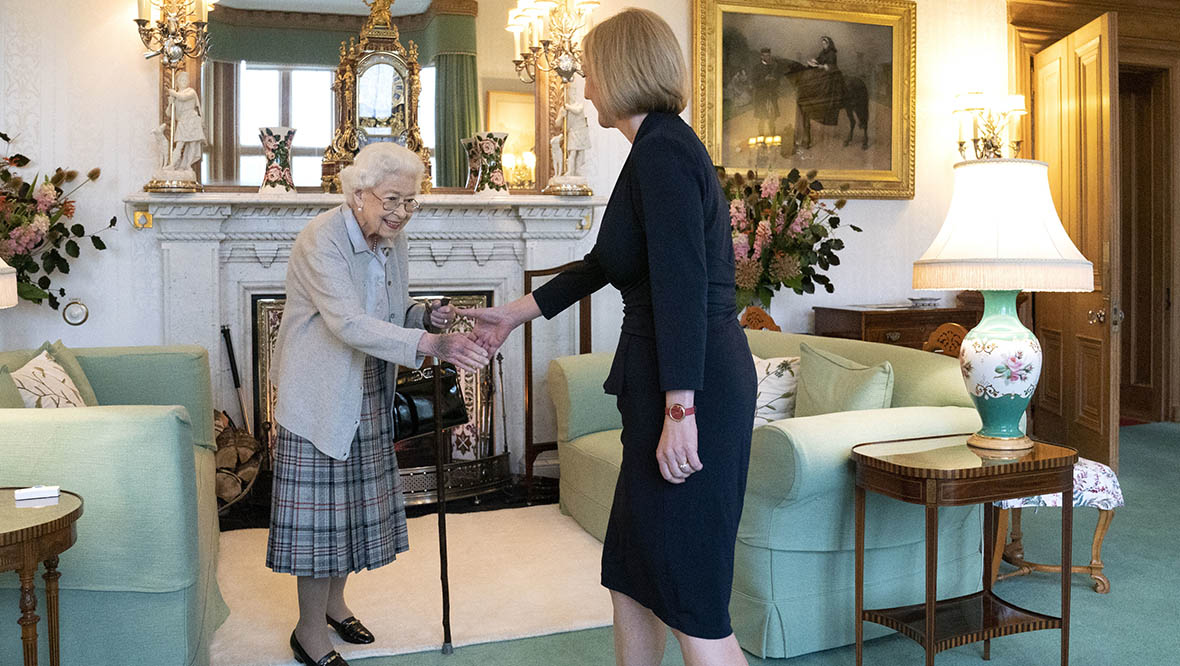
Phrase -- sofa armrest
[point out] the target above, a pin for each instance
(793, 459)
(134, 468)
(164, 375)
(577, 380)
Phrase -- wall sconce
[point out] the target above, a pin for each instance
(168, 29)
(992, 122)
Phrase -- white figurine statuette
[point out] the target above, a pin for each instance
(183, 149)
(569, 151)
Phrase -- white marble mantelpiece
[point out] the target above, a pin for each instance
(218, 250)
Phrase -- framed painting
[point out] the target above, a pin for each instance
(512, 112)
(812, 84)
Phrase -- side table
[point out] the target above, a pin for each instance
(29, 536)
(945, 471)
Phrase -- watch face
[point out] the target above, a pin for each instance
(676, 412)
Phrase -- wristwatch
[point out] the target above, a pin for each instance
(677, 411)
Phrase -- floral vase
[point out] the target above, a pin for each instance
(491, 165)
(276, 146)
(471, 149)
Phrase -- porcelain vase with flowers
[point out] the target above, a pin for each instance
(474, 159)
(276, 147)
(490, 146)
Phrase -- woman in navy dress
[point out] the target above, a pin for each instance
(682, 373)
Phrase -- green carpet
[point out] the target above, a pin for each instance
(1138, 622)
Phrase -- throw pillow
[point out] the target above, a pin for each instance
(831, 383)
(69, 362)
(43, 382)
(777, 378)
(9, 395)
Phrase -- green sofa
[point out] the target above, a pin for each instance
(794, 557)
(139, 587)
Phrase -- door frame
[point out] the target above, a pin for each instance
(1157, 54)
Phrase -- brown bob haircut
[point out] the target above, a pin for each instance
(635, 61)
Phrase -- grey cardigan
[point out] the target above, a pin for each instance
(326, 333)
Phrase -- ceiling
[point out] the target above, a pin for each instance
(400, 7)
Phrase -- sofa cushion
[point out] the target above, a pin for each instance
(777, 379)
(43, 382)
(830, 383)
(9, 395)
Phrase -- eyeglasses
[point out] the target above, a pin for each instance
(393, 203)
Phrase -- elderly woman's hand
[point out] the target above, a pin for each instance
(442, 315)
(457, 348)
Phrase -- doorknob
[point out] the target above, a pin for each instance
(1096, 317)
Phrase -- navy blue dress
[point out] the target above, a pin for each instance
(665, 244)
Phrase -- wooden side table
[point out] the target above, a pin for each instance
(29, 536)
(944, 471)
(904, 326)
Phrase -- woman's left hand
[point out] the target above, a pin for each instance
(677, 452)
(442, 316)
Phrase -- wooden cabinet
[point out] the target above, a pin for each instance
(905, 326)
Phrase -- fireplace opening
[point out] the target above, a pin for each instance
(476, 459)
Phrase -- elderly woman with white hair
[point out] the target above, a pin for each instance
(348, 323)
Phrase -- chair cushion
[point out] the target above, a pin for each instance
(1094, 485)
(831, 383)
(777, 379)
(9, 395)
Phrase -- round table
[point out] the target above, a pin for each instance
(29, 535)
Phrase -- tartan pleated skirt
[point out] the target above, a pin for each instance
(329, 517)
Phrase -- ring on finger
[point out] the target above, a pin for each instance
(685, 467)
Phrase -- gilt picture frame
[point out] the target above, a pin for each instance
(809, 84)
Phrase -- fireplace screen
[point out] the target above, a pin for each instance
(471, 441)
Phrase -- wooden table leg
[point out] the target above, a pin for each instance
(28, 607)
(989, 548)
(1001, 532)
(1066, 567)
(931, 578)
(51, 576)
(860, 573)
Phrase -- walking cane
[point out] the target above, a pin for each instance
(441, 484)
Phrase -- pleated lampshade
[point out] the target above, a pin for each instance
(7, 285)
(1002, 232)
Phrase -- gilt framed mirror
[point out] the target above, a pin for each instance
(274, 64)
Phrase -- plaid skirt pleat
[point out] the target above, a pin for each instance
(329, 517)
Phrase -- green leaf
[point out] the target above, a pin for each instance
(808, 286)
(855, 228)
(78, 230)
(44, 282)
(48, 264)
(98, 244)
(53, 302)
(63, 265)
(835, 261)
(30, 292)
(829, 288)
(72, 250)
(19, 160)
(4, 137)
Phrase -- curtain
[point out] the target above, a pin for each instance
(456, 115)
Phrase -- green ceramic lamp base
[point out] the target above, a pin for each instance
(1001, 363)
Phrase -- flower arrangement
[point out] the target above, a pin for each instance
(36, 236)
(782, 234)
(490, 146)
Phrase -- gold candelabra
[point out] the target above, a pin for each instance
(548, 35)
(994, 123)
(168, 29)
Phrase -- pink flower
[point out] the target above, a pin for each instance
(497, 178)
(23, 239)
(780, 221)
(273, 173)
(798, 226)
(5, 250)
(40, 223)
(270, 142)
(737, 213)
(761, 238)
(770, 187)
(287, 175)
(741, 246)
(487, 146)
(45, 195)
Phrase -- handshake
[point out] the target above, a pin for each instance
(472, 350)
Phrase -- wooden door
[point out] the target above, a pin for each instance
(1075, 126)
(1146, 149)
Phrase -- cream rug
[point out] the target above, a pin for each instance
(514, 573)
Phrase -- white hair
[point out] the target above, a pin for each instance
(377, 162)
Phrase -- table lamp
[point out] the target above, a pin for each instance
(1002, 236)
(7, 285)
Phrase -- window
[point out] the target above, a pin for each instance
(426, 120)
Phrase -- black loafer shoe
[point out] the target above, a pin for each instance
(351, 630)
(333, 658)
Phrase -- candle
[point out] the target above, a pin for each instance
(203, 10)
(145, 10)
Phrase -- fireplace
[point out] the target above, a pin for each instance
(207, 256)
(475, 461)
